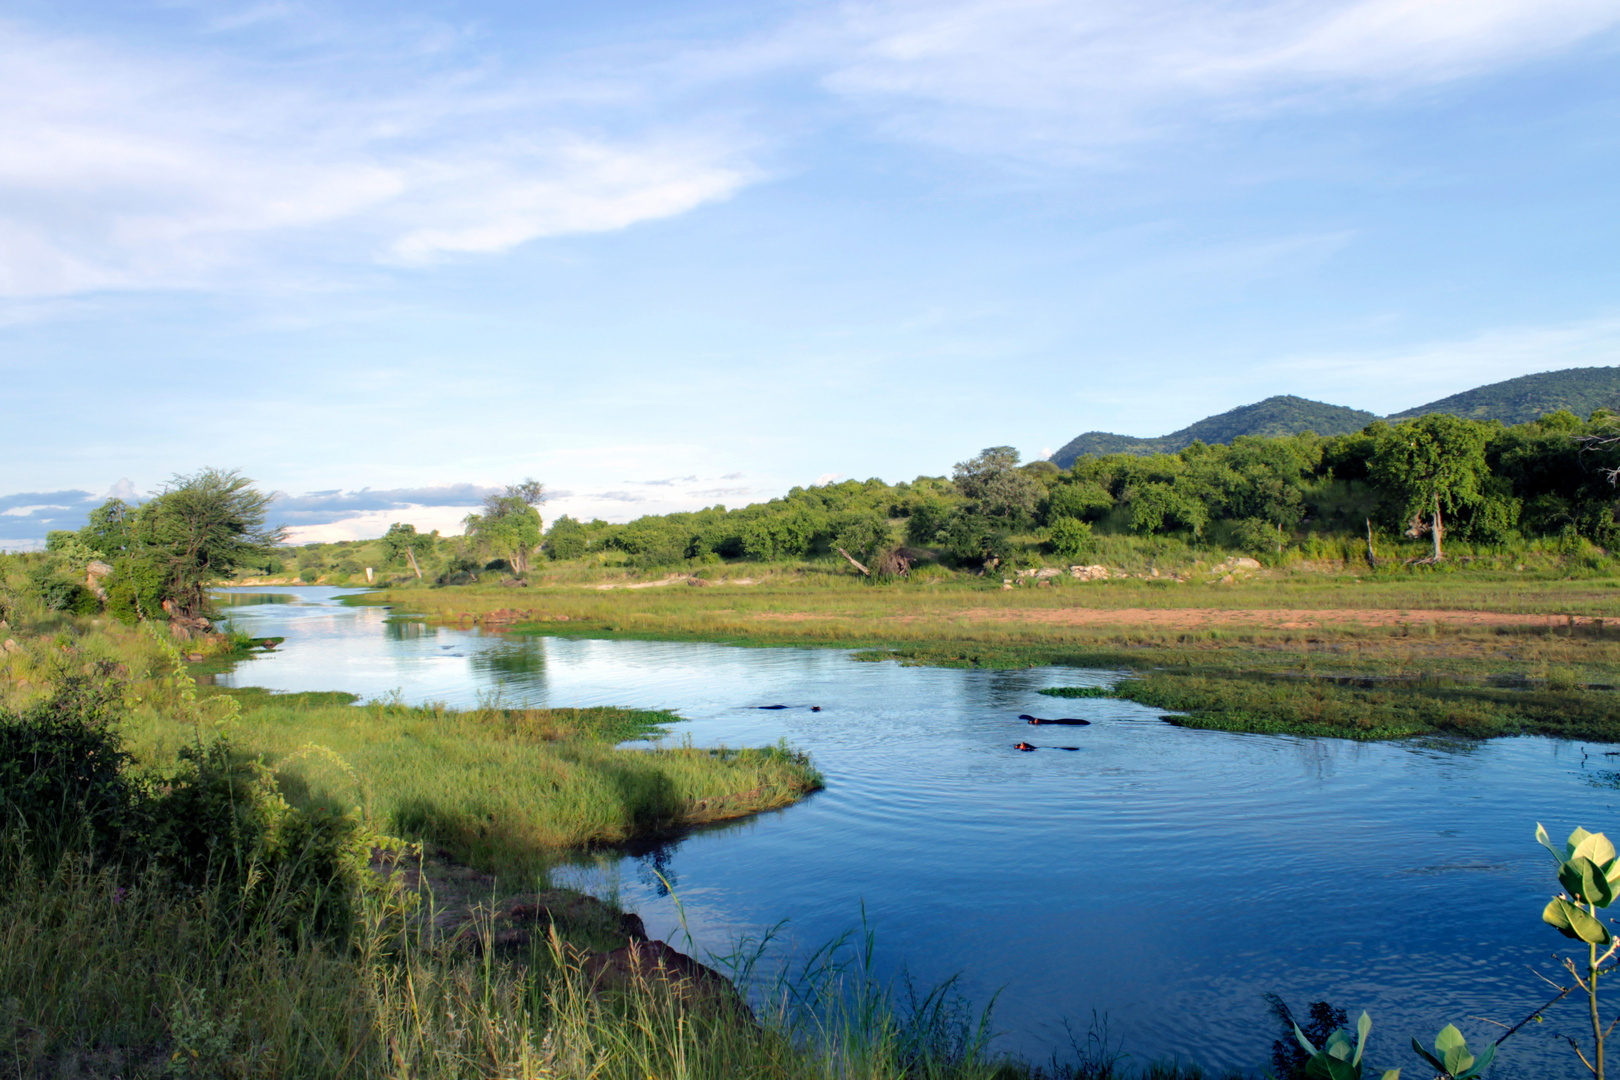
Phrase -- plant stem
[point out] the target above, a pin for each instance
(1592, 996)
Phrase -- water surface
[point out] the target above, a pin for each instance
(1164, 876)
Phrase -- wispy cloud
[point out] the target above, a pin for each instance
(129, 169)
(1079, 76)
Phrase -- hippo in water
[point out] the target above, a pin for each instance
(1070, 721)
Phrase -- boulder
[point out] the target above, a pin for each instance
(93, 574)
(11, 646)
(1089, 573)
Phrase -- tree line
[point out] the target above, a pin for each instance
(1432, 479)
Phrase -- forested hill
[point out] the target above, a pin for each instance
(1582, 391)
(1280, 415)
(1514, 401)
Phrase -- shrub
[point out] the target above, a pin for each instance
(68, 788)
(1070, 538)
(64, 774)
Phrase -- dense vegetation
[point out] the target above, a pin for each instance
(1581, 391)
(1364, 498)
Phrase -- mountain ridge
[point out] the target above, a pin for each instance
(1512, 401)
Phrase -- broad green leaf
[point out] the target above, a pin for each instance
(1363, 1026)
(1572, 922)
(1575, 839)
(1485, 1059)
(1322, 1067)
(1594, 885)
(1556, 915)
(1304, 1043)
(1594, 846)
(1392, 1074)
(1546, 841)
(1449, 1036)
(1584, 880)
(1439, 1066)
(1458, 1059)
(1338, 1046)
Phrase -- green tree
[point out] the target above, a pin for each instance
(1083, 500)
(402, 543)
(200, 529)
(995, 483)
(566, 539)
(509, 527)
(109, 530)
(1435, 465)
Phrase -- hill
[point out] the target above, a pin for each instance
(1280, 415)
(1513, 401)
(1516, 401)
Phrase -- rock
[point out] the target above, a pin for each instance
(1089, 573)
(11, 646)
(1244, 564)
(93, 573)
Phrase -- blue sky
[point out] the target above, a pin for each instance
(661, 255)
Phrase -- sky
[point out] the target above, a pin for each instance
(386, 257)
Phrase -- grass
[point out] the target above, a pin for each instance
(508, 789)
(1223, 653)
(100, 977)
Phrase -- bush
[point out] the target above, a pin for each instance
(1070, 538)
(69, 788)
(566, 540)
(64, 774)
(1083, 501)
(309, 575)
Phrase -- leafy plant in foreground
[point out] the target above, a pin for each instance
(1339, 1058)
(1451, 1058)
(1588, 872)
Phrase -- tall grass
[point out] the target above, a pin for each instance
(100, 977)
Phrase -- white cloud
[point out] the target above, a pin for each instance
(1079, 75)
(138, 170)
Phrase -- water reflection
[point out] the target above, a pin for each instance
(408, 629)
(233, 598)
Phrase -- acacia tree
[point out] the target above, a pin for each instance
(510, 526)
(203, 528)
(1436, 463)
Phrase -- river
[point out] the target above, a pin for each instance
(1160, 876)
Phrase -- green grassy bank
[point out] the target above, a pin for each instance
(1477, 653)
(191, 885)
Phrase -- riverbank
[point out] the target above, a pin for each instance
(434, 969)
(1475, 653)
